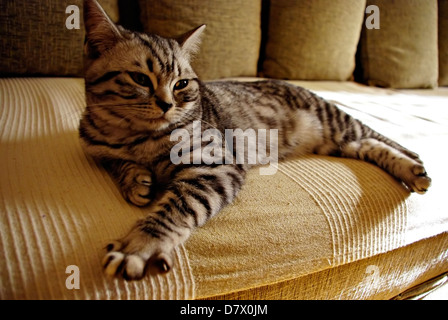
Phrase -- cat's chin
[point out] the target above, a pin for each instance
(151, 123)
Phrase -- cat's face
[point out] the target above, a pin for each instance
(145, 82)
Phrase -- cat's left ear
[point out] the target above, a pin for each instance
(190, 41)
(101, 32)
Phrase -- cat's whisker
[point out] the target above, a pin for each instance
(116, 104)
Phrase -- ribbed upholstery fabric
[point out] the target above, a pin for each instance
(57, 207)
(315, 213)
(318, 219)
(358, 209)
(321, 213)
(385, 276)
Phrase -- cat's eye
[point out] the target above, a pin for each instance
(141, 79)
(181, 84)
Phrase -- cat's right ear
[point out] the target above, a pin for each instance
(190, 41)
(101, 32)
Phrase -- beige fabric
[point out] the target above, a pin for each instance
(416, 119)
(443, 42)
(317, 214)
(57, 208)
(403, 53)
(313, 40)
(34, 39)
(384, 276)
(231, 41)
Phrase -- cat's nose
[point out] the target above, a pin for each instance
(165, 106)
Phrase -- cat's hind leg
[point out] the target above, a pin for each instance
(345, 136)
(398, 161)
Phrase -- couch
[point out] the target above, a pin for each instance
(320, 228)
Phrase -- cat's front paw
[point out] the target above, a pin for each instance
(132, 257)
(133, 266)
(136, 187)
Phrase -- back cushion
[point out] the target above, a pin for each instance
(313, 40)
(35, 41)
(443, 42)
(403, 53)
(230, 42)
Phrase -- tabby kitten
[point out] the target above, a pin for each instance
(140, 87)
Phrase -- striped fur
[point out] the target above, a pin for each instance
(139, 88)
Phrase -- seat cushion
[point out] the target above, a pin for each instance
(60, 209)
